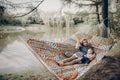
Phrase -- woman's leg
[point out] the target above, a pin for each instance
(74, 56)
(72, 62)
(69, 59)
(61, 63)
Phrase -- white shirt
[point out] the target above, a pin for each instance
(88, 55)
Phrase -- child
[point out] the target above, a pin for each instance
(86, 59)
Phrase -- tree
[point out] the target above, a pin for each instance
(79, 4)
(104, 28)
(7, 18)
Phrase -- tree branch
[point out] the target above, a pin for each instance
(29, 11)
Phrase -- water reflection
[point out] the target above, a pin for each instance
(15, 57)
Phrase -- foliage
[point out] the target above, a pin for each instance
(33, 20)
(54, 22)
(7, 20)
(114, 22)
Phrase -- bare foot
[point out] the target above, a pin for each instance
(60, 63)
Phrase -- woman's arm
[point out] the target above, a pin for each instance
(77, 44)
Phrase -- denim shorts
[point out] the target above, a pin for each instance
(78, 54)
(85, 60)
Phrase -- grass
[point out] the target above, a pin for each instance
(35, 74)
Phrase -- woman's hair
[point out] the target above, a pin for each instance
(82, 41)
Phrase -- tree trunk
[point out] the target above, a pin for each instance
(2, 9)
(105, 17)
(97, 12)
(105, 12)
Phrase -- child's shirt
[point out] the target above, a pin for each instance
(90, 56)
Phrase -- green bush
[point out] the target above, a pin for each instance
(13, 22)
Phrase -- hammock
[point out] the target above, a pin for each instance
(50, 52)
